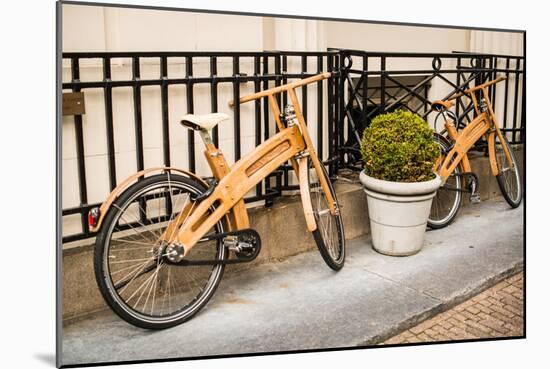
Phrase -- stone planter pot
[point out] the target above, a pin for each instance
(398, 213)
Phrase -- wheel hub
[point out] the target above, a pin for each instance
(174, 252)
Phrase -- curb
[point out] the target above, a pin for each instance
(455, 300)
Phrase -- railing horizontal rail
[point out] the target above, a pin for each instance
(453, 54)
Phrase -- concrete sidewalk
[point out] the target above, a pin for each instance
(301, 304)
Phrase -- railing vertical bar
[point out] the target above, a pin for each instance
(320, 110)
(383, 84)
(516, 93)
(138, 127)
(458, 82)
(79, 136)
(523, 98)
(281, 100)
(494, 65)
(340, 124)
(108, 99)
(304, 88)
(425, 94)
(265, 71)
(190, 110)
(505, 118)
(365, 89)
(257, 113)
(479, 75)
(214, 95)
(285, 80)
(279, 76)
(330, 123)
(237, 109)
(164, 104)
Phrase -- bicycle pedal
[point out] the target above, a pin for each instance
(475, 199)
(245, 243)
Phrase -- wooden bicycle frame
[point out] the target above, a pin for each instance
(291, 143)
(485, 123)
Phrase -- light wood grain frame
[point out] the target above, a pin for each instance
(227, 198)
(463, 141)
(491, 138)
(234, 185)
(292, 144)
(484, 124)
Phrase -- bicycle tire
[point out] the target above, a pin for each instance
(447, 201)
(333, 254)
(182, 286)
(510, 185)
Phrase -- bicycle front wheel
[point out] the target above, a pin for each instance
(329, 235)
(132, 271)
(508, 177)
(447, 200)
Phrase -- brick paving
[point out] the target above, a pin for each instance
(496, 312)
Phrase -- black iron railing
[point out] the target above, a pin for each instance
(269, 69)
(363, 85)
(374, 86)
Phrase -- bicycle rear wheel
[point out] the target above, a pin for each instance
(130, 260)
(508, 178)
(447, 200)
(329, 235)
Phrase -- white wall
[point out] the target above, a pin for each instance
(377, 37)
(89, 28)
(506, 44)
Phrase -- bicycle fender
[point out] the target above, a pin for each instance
(115, 193)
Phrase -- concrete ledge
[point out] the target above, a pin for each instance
(282, 228)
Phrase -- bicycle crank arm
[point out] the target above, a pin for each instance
(245, 243)
(473, 182)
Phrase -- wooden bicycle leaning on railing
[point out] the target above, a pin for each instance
(454, 166)
(164, 239)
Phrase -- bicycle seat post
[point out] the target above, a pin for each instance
(206, 138)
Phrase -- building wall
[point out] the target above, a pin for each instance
(91, 28)
(378, 37)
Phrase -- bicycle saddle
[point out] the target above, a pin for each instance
(204, 121)
(442, 104)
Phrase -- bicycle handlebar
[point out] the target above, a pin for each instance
(279, 89)
(486, 84)
(475, 88)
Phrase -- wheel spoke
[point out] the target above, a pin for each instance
(135, 275)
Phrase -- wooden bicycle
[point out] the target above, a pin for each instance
(165, 234)
(454, 165)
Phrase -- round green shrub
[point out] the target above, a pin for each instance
(399, 147)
